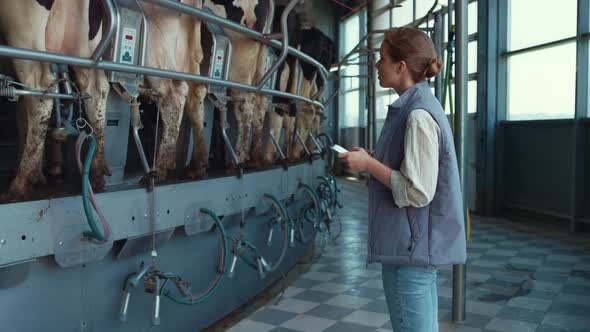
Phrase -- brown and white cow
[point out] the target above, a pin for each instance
(320, 47)
(175, 44)
(59, 26)
(248, 62)
(286, 82)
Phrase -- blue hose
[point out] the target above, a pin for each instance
(95, 232)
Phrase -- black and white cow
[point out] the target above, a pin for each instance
(286, 82)
(248, 62)
(71, 27)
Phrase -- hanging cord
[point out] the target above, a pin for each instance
(152, 189)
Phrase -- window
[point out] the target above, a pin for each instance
(351, 109)
(472, 57)
(536, 93)
(404, 14)
(541, 82)
(534, 22)
(352, 87)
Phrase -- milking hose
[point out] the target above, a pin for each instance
(209, 291)
(288, 222)
(95, 233)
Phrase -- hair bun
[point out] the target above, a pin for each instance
(433, 68)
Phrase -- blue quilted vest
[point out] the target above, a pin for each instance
(431, 235)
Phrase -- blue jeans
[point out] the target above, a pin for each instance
(411, 297)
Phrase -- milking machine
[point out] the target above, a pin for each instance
(155, 281)
(128, 47)
(217, 98)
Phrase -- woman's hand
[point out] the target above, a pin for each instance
(356, 160)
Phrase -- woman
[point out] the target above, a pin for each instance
(416, 219)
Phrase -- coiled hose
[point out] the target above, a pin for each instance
(212, 288)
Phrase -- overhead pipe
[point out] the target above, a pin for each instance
(285, 44)
(25, 54)
(103, 45)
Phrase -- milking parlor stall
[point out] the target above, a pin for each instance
(164, 162)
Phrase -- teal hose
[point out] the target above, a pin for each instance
(289, 223)
(95, 232)
(327, 183)
(316, 201)
(207, 293)
(281, 207)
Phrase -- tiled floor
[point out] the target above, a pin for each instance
(520, 277)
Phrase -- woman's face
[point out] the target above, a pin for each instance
(387, 69)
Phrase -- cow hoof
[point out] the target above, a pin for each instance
(195, 172)
(97, 182)
(17, 194)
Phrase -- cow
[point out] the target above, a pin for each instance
(70, 27)
(264, 155)
(248, 63)
(321, 48)
(174, 41)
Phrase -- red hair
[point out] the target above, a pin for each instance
(416, 49)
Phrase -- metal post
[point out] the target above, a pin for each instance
(371, 100)
(438, 44)
(460, 146)
(582, 106)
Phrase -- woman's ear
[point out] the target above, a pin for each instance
(402, 66)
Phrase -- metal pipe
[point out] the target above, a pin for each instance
(125, 306)
(156, 307)
(105, 42)
(232, 267)
(205, 16)
(329, 100)
(270, 234)
(300, 140)
(144, 35)
(459, 283)
(41, 94)
(285, 44)
(277, 146)
(136, 124)
(315, 142)
(19, 53)
(230, 147)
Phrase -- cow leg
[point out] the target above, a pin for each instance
(34, 131)
(195, 111)
(174, 94)
(243, 108)
(95, 83)
(303, 125)
(276, 123)
(289, 126)
(260, 110)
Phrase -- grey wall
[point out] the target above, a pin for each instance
(324, 18)
(537, 164)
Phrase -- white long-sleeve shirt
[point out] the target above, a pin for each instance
(415, 182)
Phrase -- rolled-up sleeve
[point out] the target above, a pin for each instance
(415, 182)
